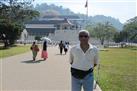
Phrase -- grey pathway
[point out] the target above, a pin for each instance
(18, 73)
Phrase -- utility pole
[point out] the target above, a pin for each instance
(86, 6)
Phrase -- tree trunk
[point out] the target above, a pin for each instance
(5, 43)
(102, 42)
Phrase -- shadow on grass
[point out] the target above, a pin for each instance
(3, 48)
(133, 48)
(8, 47)
(31, 61)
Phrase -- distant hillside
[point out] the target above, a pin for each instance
(59, 10)
(46, 10)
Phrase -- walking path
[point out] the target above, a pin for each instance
(19, 73)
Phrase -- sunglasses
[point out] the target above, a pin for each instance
(81, 36)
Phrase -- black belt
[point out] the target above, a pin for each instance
(80, 74)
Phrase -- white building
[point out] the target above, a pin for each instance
(57, 29)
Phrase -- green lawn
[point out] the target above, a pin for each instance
(118, 70)
(13, 50)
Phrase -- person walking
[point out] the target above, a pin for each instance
(44, 53)
(66, 47)
(83, 59)
(34, 48)
(61, 46)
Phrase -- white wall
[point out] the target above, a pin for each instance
(65, 35)
(39, 26)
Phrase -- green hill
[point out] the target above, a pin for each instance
(47, 10)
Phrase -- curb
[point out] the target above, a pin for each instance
(97, 87)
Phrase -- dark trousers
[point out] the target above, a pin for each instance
(61, 49)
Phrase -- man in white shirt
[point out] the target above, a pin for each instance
(83, 59)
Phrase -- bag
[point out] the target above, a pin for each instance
(31, 48)
(79, 74)
(36, 48)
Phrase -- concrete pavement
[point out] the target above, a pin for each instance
(19, 73)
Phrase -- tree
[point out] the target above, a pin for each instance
(13, 14)
(17, 10)
(130, 28)
(11, 32)
(120, 36)
(90, 29)
(110, 31)
(38, 38)
(103, 31)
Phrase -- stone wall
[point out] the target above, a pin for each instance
(65, 35)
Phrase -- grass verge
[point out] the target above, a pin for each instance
(13, 50)
(118, 69)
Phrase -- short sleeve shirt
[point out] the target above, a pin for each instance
(81, 60)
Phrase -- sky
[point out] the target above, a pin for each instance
(119, 9)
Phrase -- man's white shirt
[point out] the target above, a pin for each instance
(84, 61)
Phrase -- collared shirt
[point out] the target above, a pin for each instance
(83, 61)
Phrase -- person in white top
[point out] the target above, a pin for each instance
(83, 59)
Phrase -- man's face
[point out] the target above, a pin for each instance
(83, 37)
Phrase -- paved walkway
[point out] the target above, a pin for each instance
(18, 73)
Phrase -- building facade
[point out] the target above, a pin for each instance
(53, 27)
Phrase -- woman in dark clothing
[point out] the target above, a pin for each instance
(61, 46)
(44, 54)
